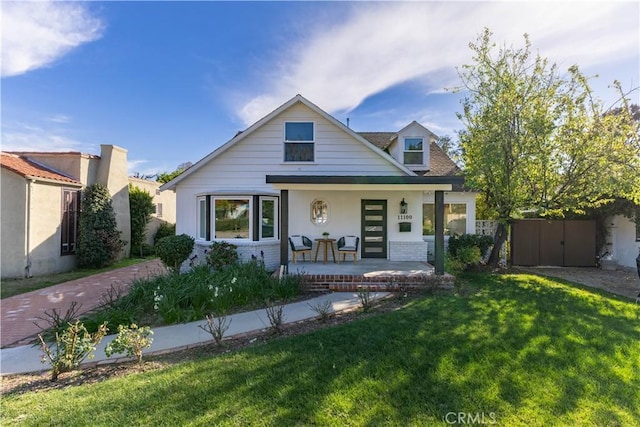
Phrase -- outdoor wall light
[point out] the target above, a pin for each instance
(403, 207)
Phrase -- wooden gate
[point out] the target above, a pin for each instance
(564, 243)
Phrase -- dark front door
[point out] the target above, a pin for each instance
(374, 229)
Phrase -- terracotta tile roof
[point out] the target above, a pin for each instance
(29, 168)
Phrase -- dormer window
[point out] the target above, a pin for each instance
(299, 142)
(413, 151)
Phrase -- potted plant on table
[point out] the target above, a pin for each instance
(325, 234)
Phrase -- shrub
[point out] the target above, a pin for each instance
(131, 340)
(216, 326)
(469, 255)
(140, 209)
(72, 346)
(99, 242)
(174, 250)
(222, 254)
(456, 243)
(190, 296)
(165, 230)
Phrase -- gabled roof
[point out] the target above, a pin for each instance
(31, 169)
(440, 163)
(251, 129)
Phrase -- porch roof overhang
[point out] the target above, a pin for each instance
(363, 182)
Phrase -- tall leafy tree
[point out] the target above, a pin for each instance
(539, 141)
(141, 207)
(165, 177)
(99, 242)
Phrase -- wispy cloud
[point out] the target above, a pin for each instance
(381, 45)
(27, 137)
(140, 167)
(35, 34)
(59, 118)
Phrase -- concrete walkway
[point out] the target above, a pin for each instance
(19, 313)
(27, 358)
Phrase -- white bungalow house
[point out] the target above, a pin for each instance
(299, 171)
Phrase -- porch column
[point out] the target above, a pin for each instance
(439, 195)
(284, 227)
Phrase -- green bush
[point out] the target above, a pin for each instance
(190, 296)
(140, 208)
(131, 340)
(72, 346)
(174, 250)
(457, 243)
(99, 243)
(469, 255)
(165, 230)
(222, 254)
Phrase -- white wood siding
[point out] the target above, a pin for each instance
(243, 167)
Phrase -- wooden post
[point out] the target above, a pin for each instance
(284, 228)
(439, 196)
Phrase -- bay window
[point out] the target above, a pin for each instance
(232, 217)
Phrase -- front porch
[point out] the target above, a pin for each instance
(375, 274)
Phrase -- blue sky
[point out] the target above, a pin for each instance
(172, 81)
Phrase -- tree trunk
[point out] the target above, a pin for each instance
(498, 241)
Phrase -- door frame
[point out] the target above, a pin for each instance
(364, 222)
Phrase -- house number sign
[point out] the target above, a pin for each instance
(404, 217)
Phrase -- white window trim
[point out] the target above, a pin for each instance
(199, 236)
(276, 219)
(312, 141)
(404, 150)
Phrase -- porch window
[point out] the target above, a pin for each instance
(455, 219)
(269, 218)
(299, 142)
(70, 217)
(413, 151)
(232, 218)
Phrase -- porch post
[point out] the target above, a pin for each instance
(284, 227)
(439, 196)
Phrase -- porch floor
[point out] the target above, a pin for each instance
(376, 274)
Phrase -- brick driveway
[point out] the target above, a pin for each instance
(18, 313)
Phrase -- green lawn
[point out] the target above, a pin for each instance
(517, 349)
(12, 287)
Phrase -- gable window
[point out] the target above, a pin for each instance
(69, 226)
(455, 219)
(299, 142)
(413, 151)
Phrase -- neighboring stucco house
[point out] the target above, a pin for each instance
(298, 170)
(41, 194)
